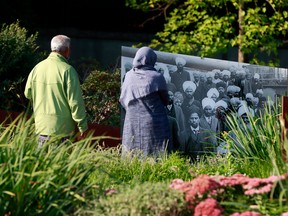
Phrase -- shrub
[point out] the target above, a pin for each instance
(18, 55)
(101, 91)
(145, 199)
(84, 66)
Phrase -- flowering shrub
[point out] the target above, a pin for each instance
(208, 207)
(204, 194)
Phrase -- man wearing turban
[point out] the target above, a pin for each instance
(180, 75)
(209, 83)
(213, 93)
(256, 83)
(189, 88)
(208, 119)
(221, 87)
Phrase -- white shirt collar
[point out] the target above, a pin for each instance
(194, 129)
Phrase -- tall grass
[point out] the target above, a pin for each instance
(82, 178)
(47, 181)
(260, 143)
(69, 178)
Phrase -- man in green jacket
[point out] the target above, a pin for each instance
(53, 87)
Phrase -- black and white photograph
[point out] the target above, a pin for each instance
(214, 87)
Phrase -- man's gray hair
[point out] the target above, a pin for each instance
(60, 42)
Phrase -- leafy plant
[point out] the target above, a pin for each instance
(47, 181)
(83, 178)
(144, 199)
(101, 91)
(18, 55)
(84, 66)
(211, 28)
(261, 141)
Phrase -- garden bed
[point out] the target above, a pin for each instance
(111, 135)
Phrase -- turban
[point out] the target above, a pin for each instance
(171, 87)
(256, 76)
(165, 71)
(231, 89)
(221, 103)
(180, 60)
(226, 72)
(208, 102)
(237, 89)
(162, 66)
(189, 84)
(259, 91)
(242, 110)
(235, 101)
(261, 99)
(233, 68)
(255, 100)
(249, 95)
(212, 91)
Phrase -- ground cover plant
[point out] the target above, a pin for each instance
(83, 178)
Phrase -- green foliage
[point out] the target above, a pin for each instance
(47, 181)
(133, 171)
(154, 5)
(84, 66)
(144, 199)
(261, 142)
(18, 55)
(17, 51)
(101, 91)
(81, 178)
(209, 28)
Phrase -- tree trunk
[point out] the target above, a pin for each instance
(241, 32)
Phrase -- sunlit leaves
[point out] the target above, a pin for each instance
(209, 27)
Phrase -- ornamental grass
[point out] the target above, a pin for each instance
(83, 178)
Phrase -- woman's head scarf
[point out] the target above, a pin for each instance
(143, 79)
(145, 58)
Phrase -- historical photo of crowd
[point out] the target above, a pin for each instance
(200, 98)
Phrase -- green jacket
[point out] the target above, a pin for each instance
(54, 89)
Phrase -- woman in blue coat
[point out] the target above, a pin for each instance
(144, 96)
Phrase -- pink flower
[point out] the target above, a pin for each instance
(265, 189)
(177, 183)
(250, 186)
(256, 182)
(208, 207)
(204, 184)
(196, 189)
(246, 213)
(231, 181)
(200, 191)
